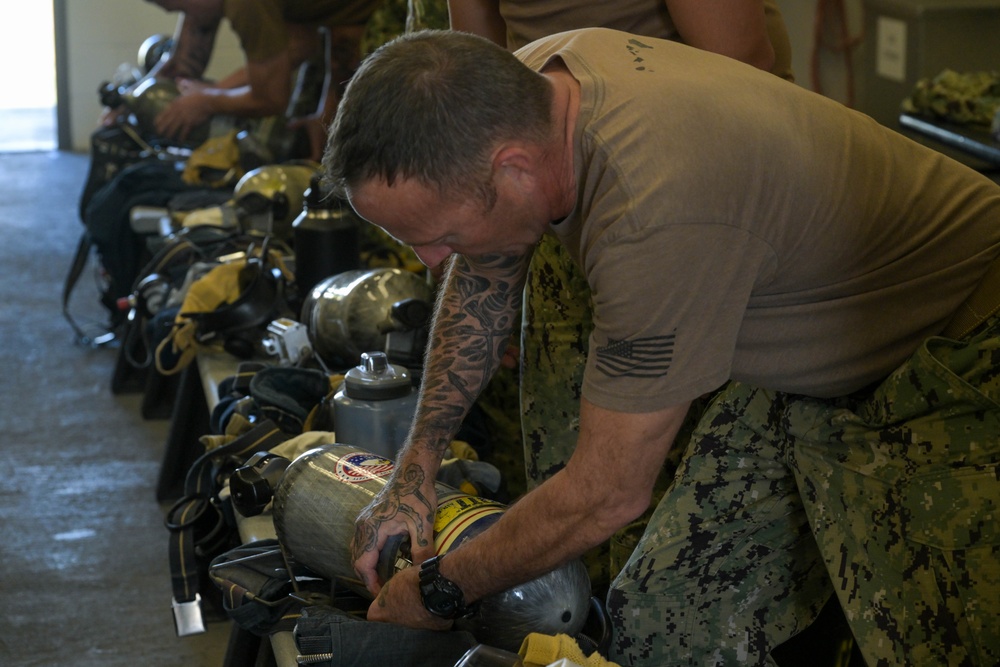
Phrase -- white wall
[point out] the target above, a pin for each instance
(800, 17)
(22, 87)
(102, 34)
(105, 33)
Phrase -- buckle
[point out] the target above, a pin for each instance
(187, 617)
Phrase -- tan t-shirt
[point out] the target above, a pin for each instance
(735, 225)
(528, 20)
(260, 24)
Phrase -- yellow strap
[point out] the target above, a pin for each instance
(538, 650)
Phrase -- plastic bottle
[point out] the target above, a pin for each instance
(374, 407)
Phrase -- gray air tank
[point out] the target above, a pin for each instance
(351, 312)
(322, 491)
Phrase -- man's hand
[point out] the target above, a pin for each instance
(110, 117)
(399, 602)
(191, 86)
(405, 506)
(183, 115)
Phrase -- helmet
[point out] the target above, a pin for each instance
(152, 50)
(277, 189)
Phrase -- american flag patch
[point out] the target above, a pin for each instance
(648, 357)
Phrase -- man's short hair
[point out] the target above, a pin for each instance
(432, 105)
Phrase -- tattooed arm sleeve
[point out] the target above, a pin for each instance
(193, 45)
(472, 325)
(475, 316)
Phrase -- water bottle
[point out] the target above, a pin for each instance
(325, 237)
(375, 405)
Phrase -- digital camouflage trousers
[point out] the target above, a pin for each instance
(889, 498)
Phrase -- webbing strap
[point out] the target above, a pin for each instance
(195, 521)
(75, 269)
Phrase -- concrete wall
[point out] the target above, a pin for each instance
(102, 34)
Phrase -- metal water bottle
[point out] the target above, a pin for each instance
(375, 405)
(325, 237)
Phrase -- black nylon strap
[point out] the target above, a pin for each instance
(195, 520)
(76, 268)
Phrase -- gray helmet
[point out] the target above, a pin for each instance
(358, 311)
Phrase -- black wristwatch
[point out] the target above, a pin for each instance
(442, 597)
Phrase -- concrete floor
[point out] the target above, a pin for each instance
(84, 576)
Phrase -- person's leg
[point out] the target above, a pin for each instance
(903, 493)
(727, 569)
(555, 331)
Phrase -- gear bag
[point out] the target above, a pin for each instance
(201, 524)
(257, 587)
(107, 228)
(329, 637)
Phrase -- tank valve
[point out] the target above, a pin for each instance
(252, 485)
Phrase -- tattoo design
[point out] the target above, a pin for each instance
(388, 504)
(345, 55)
(193, 49)
(472, 328)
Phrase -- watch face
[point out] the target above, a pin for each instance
(440, 596)
(440, 603)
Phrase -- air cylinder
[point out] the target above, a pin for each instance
(321, 493)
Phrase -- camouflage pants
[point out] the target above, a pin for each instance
(555, 330)
(891, 495)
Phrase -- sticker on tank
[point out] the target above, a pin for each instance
(362, 467)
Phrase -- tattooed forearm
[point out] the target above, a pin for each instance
(192, 50)
(472, 327)
(345, 55)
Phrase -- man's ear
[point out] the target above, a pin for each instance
(516, 163)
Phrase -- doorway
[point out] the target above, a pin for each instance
(28, 91)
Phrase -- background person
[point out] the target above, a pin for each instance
(276, 36)
(752, 31)
(759, 234)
